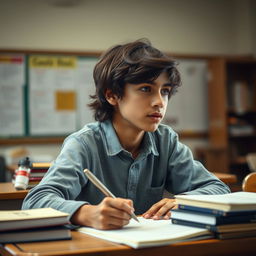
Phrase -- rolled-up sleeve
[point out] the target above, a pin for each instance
(63, 182)
(188, 176)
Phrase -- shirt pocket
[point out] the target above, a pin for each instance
(154, 195)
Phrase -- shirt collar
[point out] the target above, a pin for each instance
(114, 147)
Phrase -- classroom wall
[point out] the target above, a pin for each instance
(253, 17)
(178, 26)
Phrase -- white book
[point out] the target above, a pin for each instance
(236, 201)
(32, 218)
(148, 233)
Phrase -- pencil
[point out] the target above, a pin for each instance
(102, 187)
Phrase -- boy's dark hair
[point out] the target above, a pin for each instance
(135, 62)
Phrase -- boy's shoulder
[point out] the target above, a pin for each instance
(94, 129)
(88, 130)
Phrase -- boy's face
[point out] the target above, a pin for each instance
(143, 106)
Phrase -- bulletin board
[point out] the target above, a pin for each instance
(45, 94)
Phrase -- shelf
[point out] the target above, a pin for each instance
(248, 112)
(243, 136)
(32, 140)
(241, 160)
(233, 87)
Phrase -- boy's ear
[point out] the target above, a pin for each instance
(111, 97)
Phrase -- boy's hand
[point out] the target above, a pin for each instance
(111, 213)
(160, 210)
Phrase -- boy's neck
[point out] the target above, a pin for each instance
(129, 139)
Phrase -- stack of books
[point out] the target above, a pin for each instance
(228, 216)
(33, 225)
(37, 172)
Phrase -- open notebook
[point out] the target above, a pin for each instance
(149, 233)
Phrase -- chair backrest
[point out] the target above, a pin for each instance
(251, 161)
(249, 182)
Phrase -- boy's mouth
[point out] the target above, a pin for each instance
(155, 117)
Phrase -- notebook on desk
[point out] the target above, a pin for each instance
(149, 233)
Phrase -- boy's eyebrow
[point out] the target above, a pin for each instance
(166, 84)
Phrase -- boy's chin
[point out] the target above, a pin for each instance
(152, 129)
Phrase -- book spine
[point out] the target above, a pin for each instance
(203, 210)
(215, 212)
(194, 224)
(205, 218)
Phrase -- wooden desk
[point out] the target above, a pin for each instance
(82, 244)
(10, 198)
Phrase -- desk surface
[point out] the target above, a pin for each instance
(82, 244)
(7, 192)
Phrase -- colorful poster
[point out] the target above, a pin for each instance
(12, 73)
(52, 95)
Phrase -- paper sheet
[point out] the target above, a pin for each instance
(148, 233)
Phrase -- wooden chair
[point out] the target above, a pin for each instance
(249, 182)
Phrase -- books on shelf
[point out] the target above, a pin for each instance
(35, 234)
(228, 216)
(242, 98)
(148, 233)
(236, 201)
(42, 224)
(32, 218)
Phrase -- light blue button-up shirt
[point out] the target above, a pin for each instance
(163, 164)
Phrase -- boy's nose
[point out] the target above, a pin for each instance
(158, 100)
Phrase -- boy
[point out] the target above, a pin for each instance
(128, 149)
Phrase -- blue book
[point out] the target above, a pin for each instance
(35, 235)
(239, 227)
(212, 219)
(215, 212)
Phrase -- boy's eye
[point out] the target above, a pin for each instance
(166, 91)
(145, 89)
